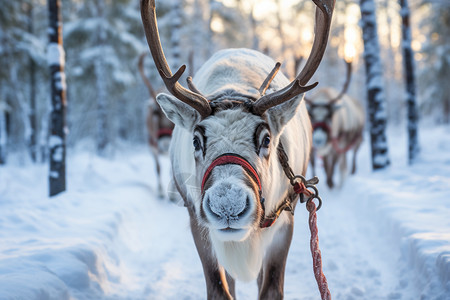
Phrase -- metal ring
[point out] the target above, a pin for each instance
(320, 202)
(303, 179)
(316, 191)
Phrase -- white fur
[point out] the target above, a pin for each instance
(232, 131)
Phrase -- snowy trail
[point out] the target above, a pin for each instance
(359, 261)
(382, 236)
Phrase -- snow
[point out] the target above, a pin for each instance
(55, 55)
(383, 235)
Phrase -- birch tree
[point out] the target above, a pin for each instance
(375, 88)
(57, 140)
(408, 63)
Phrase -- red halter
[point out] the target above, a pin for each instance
(323, 126)
(164, 132)
(235, 159)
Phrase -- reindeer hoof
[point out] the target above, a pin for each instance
(330, 184)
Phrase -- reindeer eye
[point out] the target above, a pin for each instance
(266, 142)
(196, 143)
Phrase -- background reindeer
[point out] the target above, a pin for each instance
(159, 128)
(338, 123)
(227, 146)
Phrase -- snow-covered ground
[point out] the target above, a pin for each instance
(384, 235)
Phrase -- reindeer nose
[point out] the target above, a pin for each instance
(226, 201)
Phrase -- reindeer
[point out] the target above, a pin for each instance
(338, 123)
(159, 128)
(225, 153)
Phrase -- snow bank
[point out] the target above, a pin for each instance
(412, 204)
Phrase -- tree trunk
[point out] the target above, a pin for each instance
(375, 89)
(175, 37)
(32, 143)
(280, 30)
(210, 42)
(3, 135)
(253, 23)
(102, 131)
(408, 63)
(100, 72)
(57, 141)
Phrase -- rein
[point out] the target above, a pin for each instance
(302, 187)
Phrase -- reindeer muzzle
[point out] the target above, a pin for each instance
(234, 159)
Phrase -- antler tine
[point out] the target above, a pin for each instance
(324, 13)
(195, 100)
(268, 80)
(191, 85)
(150, 88)
(346, 83)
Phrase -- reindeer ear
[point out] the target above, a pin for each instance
(178, 112)
(281, 114)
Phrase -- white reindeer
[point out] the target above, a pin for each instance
(338, 124)
(225, 156)
(159, 128)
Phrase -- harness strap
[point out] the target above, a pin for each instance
(164, 132)
(334, 140)
(335, 143)
(322, 125)
(235, 159)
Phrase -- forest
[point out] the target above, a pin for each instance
(106, 98)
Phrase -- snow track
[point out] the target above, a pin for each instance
(382, 236)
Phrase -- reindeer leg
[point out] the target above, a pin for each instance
(271, 276)
(329, 168)
(355, 150)
(215, 276)
(343, 168)
(158, 171)
(313, 162)
(231, 285)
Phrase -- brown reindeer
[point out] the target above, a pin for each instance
(338, 124)
(231, 128)
(159, 128)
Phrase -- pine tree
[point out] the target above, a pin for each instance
(375, 89)
(103, 40)
(57, 141)
(408, 63)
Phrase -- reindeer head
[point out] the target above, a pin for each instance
(234, 131)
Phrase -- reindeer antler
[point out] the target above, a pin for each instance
(324, 13)
(193, 99)
(199, 102)
(150, 88)
(346, 83)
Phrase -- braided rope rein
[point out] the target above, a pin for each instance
(301, 187)
(315, 251)
(308, 188)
